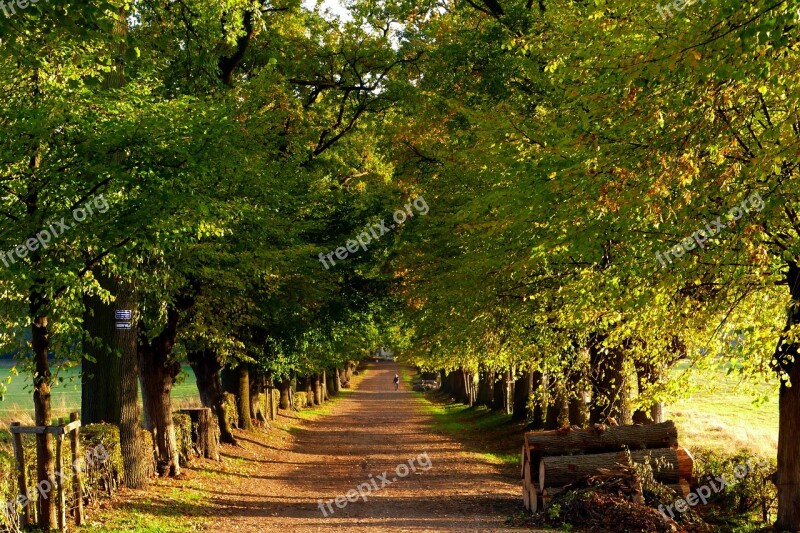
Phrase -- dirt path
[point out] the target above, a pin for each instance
(371, 431)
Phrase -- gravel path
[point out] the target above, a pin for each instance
(371, 432)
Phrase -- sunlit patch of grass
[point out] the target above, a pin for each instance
(459, 420)
(723, 416)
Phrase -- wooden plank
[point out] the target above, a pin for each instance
(72, 426)
(563, 470)
(39, 430)
(22, 485)
(61, 505)
(600, 440)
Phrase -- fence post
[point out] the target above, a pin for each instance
(77, 487)
(19, 454)
(62, 519)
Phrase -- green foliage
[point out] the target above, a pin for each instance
(102, 458)
(751, 494)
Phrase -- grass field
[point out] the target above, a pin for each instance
(17, 403)
(722, 415)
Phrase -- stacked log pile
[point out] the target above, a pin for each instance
(552, 460)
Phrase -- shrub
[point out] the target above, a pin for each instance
(231, 414)
(10, 513)
(750, 491)
(300, 400)
(102, 458)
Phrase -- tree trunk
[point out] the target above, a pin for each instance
(456, 386)
(508, 397)
(485, 388)
(445, 386)
(330, 377)
(611, 439)
(522, 393)
(538, 414)
(337, 382)
(137, 459)
(204, 432)
(577, 410)
(472, 388)
(787, 478)
(45, 458)
(206, 367)
(646, 376)
(286, 385)
(670, 465)
(557, 408)
(243, 398)
(657, 412)
(316, 393)
(610, 386)
(258, 397)
(100, 365)
(463, 392)
(304, 385)
(157, 372)
(110, 375)
(499, 393)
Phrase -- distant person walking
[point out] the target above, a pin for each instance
(396, 382)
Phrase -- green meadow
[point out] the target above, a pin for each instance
(17, 402)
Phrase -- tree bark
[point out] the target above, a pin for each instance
(576, 406)
(45, 457)
(330, 377)
(670, 465)
(206, 367)
(258, 398)
(538, 414)
(100, 365)
(157, 371)
(522, 393)
(204, 432)
(499, 392)
(286, 385)
(243, 398)
(471, 387)
(316, 392)
(610, 386)
(787, 478)
(137, 459)
(485, 388)
(611, 439)
(646, 376)
(557, 408)
(445, 383)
